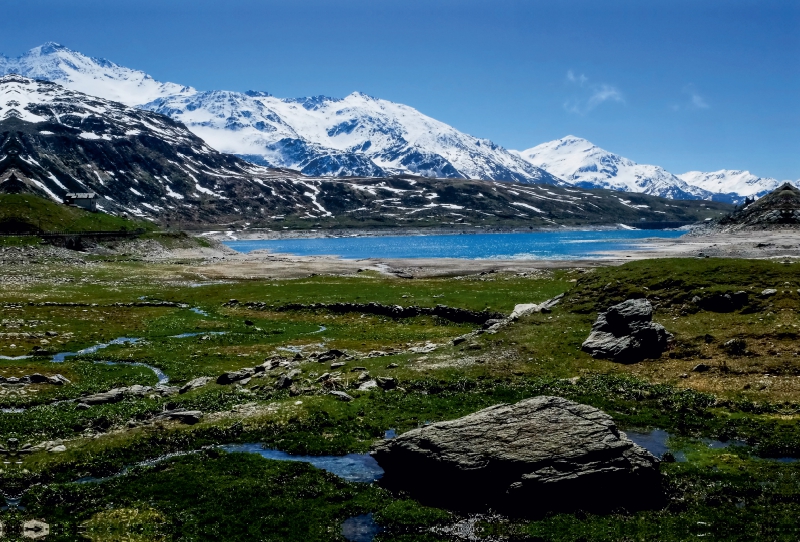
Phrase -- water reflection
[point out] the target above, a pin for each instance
(360, 528)
(351, 467)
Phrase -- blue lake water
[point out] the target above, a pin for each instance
(560, 245)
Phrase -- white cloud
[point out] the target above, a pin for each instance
(698, 101)
(593, 96)
(695, 101)
(580, 79)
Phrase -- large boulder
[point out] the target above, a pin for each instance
(539, 455)
(626, 333)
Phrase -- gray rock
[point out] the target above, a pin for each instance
(283, 382)
(193, 384)
(58, 379)
(368, 385)
(110, 396)
(342, 396)
(539, 455)
(386, 382)
(231, 377)
(768, 292)
(189, 417)
(626, 333)
(701, 368)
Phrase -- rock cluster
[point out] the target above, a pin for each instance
(118, 394)
(539, 455)
(35, 378)
(454, 314)
(626, 333)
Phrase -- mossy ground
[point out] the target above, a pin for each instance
(736, 493)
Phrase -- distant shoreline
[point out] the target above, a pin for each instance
(276, 235)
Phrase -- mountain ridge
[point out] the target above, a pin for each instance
(360, 135)
(54, 140)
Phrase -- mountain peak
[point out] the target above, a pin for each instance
(47, 48)
(52, 61)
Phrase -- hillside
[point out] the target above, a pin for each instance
(146, 165)
(31, 213)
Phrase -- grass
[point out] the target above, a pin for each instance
(44, 214)
(727, 494)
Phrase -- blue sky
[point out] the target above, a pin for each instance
(683, 84)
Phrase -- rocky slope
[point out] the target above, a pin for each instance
(778, 210)
(56, 140)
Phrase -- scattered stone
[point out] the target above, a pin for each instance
(363, 376)
(58, 380)
(283, 382)
(249, 323)
(627, 334)
(337, 364)
(539, 455)
(701, 368)
(368, 385)
(342, 396)
(189, 417)
(735, 347)
(386, 382)
(231, 377)
(323, 377)
(392, 366)
(768, 292)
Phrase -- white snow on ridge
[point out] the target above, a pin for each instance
(97, 77)
(357, 135)
(579, 162)
(724, 181)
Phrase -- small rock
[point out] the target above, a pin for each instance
(323, 377)
(386, 382)
(683, 375)
(368, 385)
(249, 323)
(230, 378)
(392, 366)
(342, 396)
(283, 382)
(338, 364)
(768, 292)
(57, 449)
(701, 368)
(58, 380)
(363, 376)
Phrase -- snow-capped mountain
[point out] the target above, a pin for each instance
(728, 181)
(94, 76)
(581, 163)
(54, 140)
(363, 136)
(355, 135)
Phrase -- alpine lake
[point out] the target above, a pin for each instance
(270, 462)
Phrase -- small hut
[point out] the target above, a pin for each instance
(84, 200)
